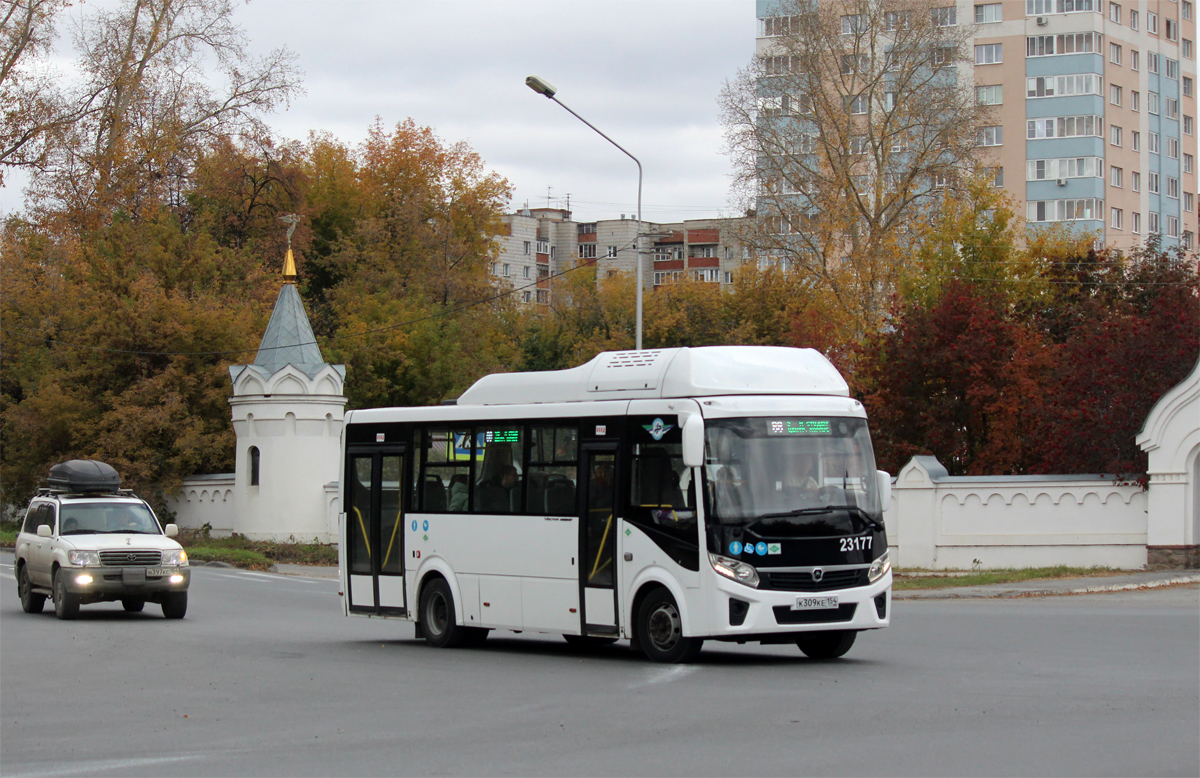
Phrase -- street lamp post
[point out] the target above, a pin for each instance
(545, 88)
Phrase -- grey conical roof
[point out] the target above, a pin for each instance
(289, 338)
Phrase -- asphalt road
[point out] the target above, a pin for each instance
(266, 677)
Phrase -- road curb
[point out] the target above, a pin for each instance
(1002, 591)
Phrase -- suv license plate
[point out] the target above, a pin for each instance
(815, 603)
(159, 572)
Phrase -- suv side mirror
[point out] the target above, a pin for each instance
(693, 441)
(43, 531)
(171, 530)
(885, 489)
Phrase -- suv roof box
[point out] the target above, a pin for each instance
(84, 475)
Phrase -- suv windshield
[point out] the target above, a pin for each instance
(92, 518)
(791, 476)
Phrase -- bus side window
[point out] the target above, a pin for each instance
(446, 458)
(552, 471)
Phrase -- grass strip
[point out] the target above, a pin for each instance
(912, 579)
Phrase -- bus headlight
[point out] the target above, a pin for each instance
(879, 567)
(178, 558)
(734, 570)
(84, 558)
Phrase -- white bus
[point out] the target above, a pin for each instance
(668, 497)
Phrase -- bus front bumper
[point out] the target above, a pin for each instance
(745, 613)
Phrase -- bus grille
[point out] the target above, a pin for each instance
(130, 558)
(803, 582)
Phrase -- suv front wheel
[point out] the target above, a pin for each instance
(66, 604)
(31, 602)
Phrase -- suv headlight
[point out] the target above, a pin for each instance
(84, 558)
(734, 570)
(879, 567)
(175, 558)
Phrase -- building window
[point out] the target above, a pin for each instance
(1114, 54)
(1172, 68)
(944, 17)
(1187, 202)
(992, 94)
(1152, 23)
(525, 271)
(1187, 239)
(1136, 224)
(1114, 94)
(1185, 49)
(1064, 86)
(1114, 13)
(1172, 108)
(1172, 147)
(991, 136)
(857, 105)
(587, 250)
(853, 63)
(1188, 161)
(1172, 29)
(1065, 167)
(612, 252)
(1135, 181)
(507, 271)
(526, 296)
(527, 246)
(1187, 86)
(1152, 144)
(1135, 140)
(1064, 210)
(989, 12)
(1151, 62)
(1114, 175)
(1172, 226)
(1152, 222)
(543, 296)
(1114, 135)
(1173, 188)
(854, 24)
(1044, 7)
(1134, 61)
(1187, 125)
(1152, 102)
(1070, 43)
(1065, 127)
(1135, 100)
(774, 26)
(998, 179)
(1133, 19)
(989, 53)
(1187, 10)
(254, 465)
(1152, 182)
(1115, 219)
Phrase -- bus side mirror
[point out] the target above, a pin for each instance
(693, 441)
(885, 489)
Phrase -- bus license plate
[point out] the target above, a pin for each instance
(815, 603)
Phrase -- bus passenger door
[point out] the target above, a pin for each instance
(374, 530)
(598, 538)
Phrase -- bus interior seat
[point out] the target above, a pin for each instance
(434, 494)
(560, 496)
(537, 491)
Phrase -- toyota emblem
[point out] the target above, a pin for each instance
(818, 574)
(132, 557)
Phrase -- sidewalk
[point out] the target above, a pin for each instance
(307, 571)
(1057, 586)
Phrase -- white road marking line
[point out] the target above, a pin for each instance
(92, 767)
(666, 675)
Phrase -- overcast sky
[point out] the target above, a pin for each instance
(646, 72)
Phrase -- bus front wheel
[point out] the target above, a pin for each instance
(438, 623)
(826, 645)
(660, 630)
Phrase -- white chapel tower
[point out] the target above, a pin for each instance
(288, 410)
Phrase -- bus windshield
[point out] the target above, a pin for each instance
(791, 476)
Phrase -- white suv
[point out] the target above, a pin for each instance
(84, 542)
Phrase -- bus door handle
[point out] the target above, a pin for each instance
(628, 557)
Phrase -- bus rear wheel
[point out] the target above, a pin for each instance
(660, 630)
(826, 645)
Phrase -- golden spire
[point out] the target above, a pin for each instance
(289, 262)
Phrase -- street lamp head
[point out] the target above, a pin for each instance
(540, 86)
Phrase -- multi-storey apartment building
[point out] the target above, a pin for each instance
(540, 243)
(1095, 106)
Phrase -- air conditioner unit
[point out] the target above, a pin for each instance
(1042, 21)
(1061, 182)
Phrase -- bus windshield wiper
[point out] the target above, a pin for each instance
(854, 509)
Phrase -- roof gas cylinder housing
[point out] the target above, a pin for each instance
(82, 476)
(707, 371)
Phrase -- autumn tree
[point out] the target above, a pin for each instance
(31, 108)
(147, 101)
(847, 133)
